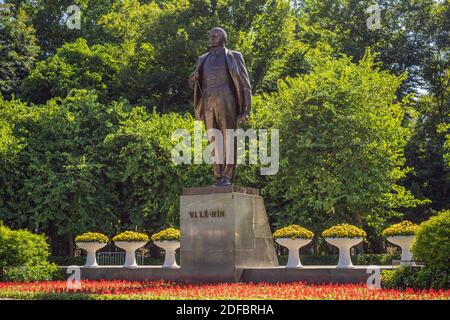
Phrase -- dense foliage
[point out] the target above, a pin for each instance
(45, 271)
(23, 256)
(416, 278)
(431, 247)
(432, 242)
(18, 51)
(21, 247)
(342, 125)
(75, 165)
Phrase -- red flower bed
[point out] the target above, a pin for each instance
(168, 290)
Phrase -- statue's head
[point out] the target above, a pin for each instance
(217, 37)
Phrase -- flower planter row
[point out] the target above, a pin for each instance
(344, 245)
(130, 247)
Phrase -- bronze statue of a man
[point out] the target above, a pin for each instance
(222, 96)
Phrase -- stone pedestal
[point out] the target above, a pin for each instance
(223, 230)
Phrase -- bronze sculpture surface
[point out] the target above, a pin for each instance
(222, 96)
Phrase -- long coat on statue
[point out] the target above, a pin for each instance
(239, 76)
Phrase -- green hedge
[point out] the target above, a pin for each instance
(432, 242)
(118, 144)
(44, 271)
(21, 247)
(432, 247)
(23, 256)
(416, 278)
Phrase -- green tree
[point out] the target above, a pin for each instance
(413, 39)
(427, 150)
(409, 33)
(170, 35)
(77, 66)
(49, 18)
(445, 128)
(51, 185)
(85, 166)
(341, 146)
(18, 51)
(151, 48)
(426, 153)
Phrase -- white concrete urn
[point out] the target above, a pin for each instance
(169, 246)
(344, 245)
(404, 242)
(130, 247)
(91, 249)
(294, 246)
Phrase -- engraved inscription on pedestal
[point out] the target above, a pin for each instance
(224, 232)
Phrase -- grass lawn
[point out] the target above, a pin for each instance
(108, 290)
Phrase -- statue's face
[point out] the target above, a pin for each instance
(215, 38)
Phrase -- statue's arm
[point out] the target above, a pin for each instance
(192, 80)
(245, 84)
(195, 75)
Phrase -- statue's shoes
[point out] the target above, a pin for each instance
(218, 182)
(225, 181)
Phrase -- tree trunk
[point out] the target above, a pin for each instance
(315, 244)
(71, 245)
